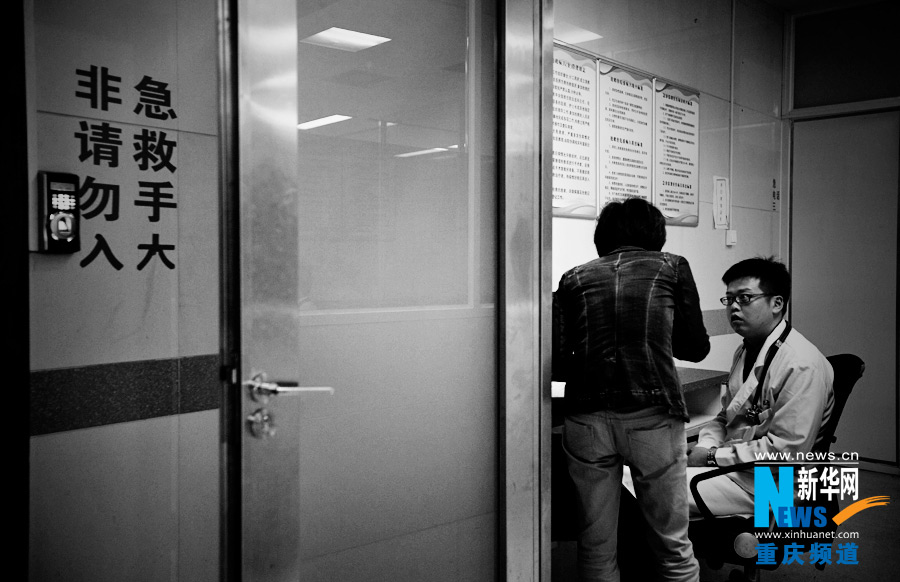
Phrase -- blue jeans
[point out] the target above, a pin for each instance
(653, 444)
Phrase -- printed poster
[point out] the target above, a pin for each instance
(574, 134)
(626, 134)
(677, 179)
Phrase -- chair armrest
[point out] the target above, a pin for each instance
(701, 505)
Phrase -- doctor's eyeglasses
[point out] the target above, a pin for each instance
(742, 298)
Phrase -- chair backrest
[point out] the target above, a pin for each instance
(848, 368)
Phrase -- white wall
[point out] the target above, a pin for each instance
(130, 501)
(690, 42)
(133, 500)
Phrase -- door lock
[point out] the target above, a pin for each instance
(261, 424)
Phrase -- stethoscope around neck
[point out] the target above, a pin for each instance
(754, 410)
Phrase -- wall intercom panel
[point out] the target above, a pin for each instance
(59, 217)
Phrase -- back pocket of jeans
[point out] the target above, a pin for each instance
(654, 449)
(578, 440)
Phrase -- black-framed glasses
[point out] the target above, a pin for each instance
(742, 298)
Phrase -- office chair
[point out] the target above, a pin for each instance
(732, 539)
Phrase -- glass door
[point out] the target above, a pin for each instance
(368, 289)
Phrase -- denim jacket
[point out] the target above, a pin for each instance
(618, 322)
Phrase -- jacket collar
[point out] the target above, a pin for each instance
(625, 249)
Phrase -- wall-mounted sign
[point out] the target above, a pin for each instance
(677, 154)
(127, 170)
(620, 133)
(626, 135)
(574, 134)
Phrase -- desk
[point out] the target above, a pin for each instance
(702, 394)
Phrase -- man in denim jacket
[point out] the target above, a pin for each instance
(620, 320)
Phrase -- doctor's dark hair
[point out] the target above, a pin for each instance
(634, 222)
(774, 278)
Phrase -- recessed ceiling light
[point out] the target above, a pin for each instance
(345, 40)
(573, 34)
(323, 121)
(421, 152)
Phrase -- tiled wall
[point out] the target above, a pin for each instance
(124, 356)
(690, 42)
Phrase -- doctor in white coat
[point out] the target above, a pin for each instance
(779, 392)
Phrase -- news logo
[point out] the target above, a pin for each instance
(835, 483)
(814, 517)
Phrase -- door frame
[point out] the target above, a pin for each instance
(525, 151)
(230, 422)
(524, 66)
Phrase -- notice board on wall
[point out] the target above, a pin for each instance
(574, 135)
(619, 133)
(626, 134)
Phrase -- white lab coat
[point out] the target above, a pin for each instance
(797, 399)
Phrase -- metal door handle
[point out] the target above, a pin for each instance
(260, 389)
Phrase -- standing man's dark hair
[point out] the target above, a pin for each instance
(634, 223)
(620, 320)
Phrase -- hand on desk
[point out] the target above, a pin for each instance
(697, 457)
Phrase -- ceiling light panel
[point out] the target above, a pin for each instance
(345, 40)
(573, 34)
(322, 121)
(420, 152)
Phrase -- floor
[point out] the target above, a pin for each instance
(879, 536)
